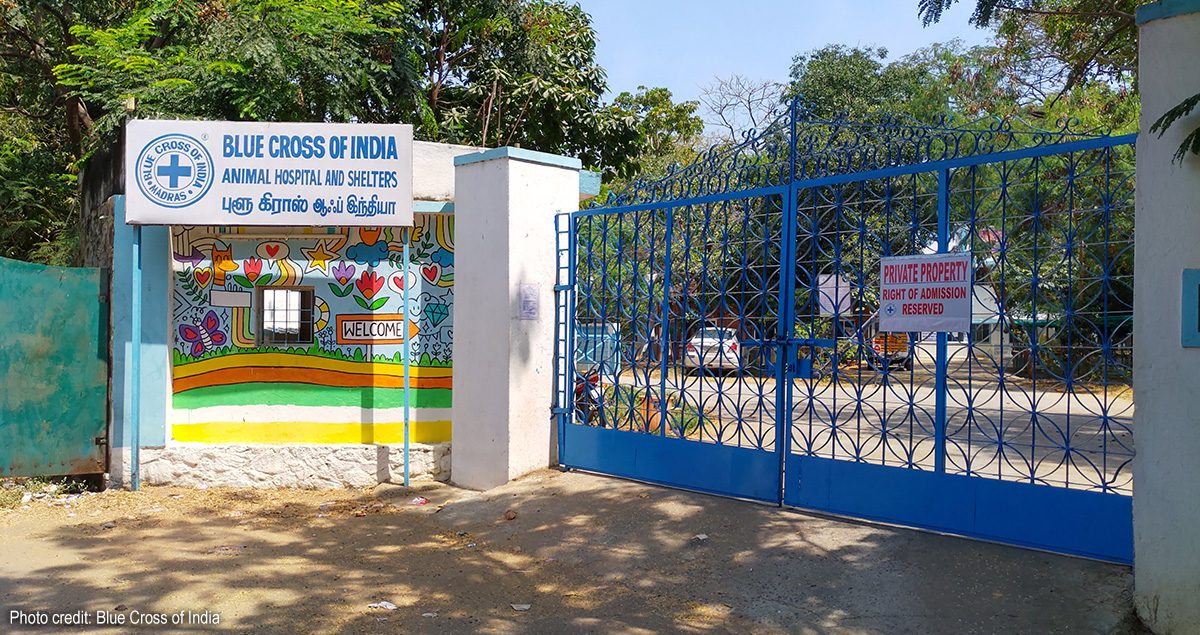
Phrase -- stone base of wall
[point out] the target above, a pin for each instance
(307, 466)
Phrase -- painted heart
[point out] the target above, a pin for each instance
(396, 282)
(432, 271)
(203, 276)
(272, 249)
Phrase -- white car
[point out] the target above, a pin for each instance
(715, 348)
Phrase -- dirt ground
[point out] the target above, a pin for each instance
(586, 553)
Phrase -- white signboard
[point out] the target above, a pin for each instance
(925, 293)
(834, 294)
(254, 173)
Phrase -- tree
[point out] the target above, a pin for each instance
(42, 127)
(71, 71)
(36, 191)
(273, 60)
(737, 104)
(939, 80)
(518, 72)
(1088, 39)
(662, 123)
(668, 132)
(480, 72)
(1095, 39)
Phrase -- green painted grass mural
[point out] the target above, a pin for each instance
(294, 394)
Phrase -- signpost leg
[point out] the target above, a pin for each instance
(407, 348)
(135, 366)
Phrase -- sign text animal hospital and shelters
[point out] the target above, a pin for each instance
(258, 173)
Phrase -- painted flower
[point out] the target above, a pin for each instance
(369, 284)
(252, 267)
(343, 272)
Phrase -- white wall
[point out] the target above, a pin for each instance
(503, 366)
(1166, 504)
(433, 169)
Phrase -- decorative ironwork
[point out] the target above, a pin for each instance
(740, 293)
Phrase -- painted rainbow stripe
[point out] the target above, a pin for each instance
(287, 432)
(241, 330)
(303, 369)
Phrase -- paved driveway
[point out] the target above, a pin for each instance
(586, 554)
(1075, 439)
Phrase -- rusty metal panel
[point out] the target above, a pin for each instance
(53, 370)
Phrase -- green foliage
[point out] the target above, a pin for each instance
(517, 72)
(667, 130)
(1089, 39)
(274, 60)
(1191, 143)
(638, 409)
(480, 72)
(669, 135)
(1070, 44)
(37, 192)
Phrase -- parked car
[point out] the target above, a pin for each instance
(715, 348)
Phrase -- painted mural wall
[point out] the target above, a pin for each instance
(347, 385)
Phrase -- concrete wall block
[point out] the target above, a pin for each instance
(1166, 473)
(304, 466)
(506, 200)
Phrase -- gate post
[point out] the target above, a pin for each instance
(940, 366)
(785, 334)
(1167, 430)
(506, 256)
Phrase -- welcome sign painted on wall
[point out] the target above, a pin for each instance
(257, 173)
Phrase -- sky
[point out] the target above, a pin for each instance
(684, 44)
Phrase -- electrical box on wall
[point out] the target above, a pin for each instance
(1190, 319)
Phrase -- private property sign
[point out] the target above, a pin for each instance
(256, 173)
(925, 293)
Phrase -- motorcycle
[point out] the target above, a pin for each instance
(589, 399)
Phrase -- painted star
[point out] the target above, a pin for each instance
(318, 257)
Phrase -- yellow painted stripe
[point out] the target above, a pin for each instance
(283, 433)
(289, 360)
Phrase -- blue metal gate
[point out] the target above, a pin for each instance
(743, 294)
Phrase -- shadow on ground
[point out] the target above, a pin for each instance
(587, 553)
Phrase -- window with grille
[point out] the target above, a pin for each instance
(285, 315)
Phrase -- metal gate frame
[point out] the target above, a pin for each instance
(1033, 513)
(54, 368)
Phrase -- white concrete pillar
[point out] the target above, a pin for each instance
(505, 202)
(1166, 502)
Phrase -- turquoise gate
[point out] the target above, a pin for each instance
(53, 369)
(755, 273)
